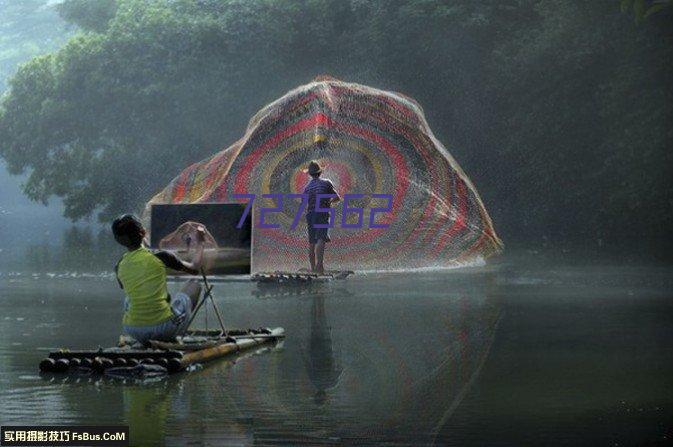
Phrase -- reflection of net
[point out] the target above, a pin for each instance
(185, 236)
(405, 368)
(370, 142)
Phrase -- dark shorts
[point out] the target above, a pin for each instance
(315, 234)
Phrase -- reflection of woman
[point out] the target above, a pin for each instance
(322, 366)
(183, 237)
(147, 409)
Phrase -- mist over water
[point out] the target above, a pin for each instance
(557, 112)
(476, 357)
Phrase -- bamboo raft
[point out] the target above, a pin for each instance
(167, 357)
(298, 278)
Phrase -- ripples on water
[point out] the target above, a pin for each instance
(477, 357)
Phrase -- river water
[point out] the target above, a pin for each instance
(495, 355)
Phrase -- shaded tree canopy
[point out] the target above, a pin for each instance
(89, 15)
(559, 111)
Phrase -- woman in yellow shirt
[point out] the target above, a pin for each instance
(150, 313)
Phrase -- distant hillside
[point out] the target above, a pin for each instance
(27, 28)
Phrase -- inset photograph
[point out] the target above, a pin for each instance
(226, 239)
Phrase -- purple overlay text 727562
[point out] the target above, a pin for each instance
(348, 209)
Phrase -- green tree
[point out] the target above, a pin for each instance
(22, 38)
(110, 117)
(77, 248)
(90, 15)
(558, 110)
(39, 258)
(107, 251)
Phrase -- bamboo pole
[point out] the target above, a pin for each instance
(215, 352)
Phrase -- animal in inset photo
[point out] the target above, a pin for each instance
(184, 236)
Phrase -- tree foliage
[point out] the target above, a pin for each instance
(89, 15)
(21, 39)
(559, 111)
(642, 9)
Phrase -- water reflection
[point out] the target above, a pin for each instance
(147, 409)
(383, 360)
(371, 360)
(322, 365)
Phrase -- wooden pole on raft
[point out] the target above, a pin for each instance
(207, 295)
(217, 311)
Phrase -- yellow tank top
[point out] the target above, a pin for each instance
(143, 276)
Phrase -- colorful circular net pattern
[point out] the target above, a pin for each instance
(369, 142)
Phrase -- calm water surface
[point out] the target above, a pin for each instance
(489, 356)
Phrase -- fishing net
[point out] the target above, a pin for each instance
(369, 142)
